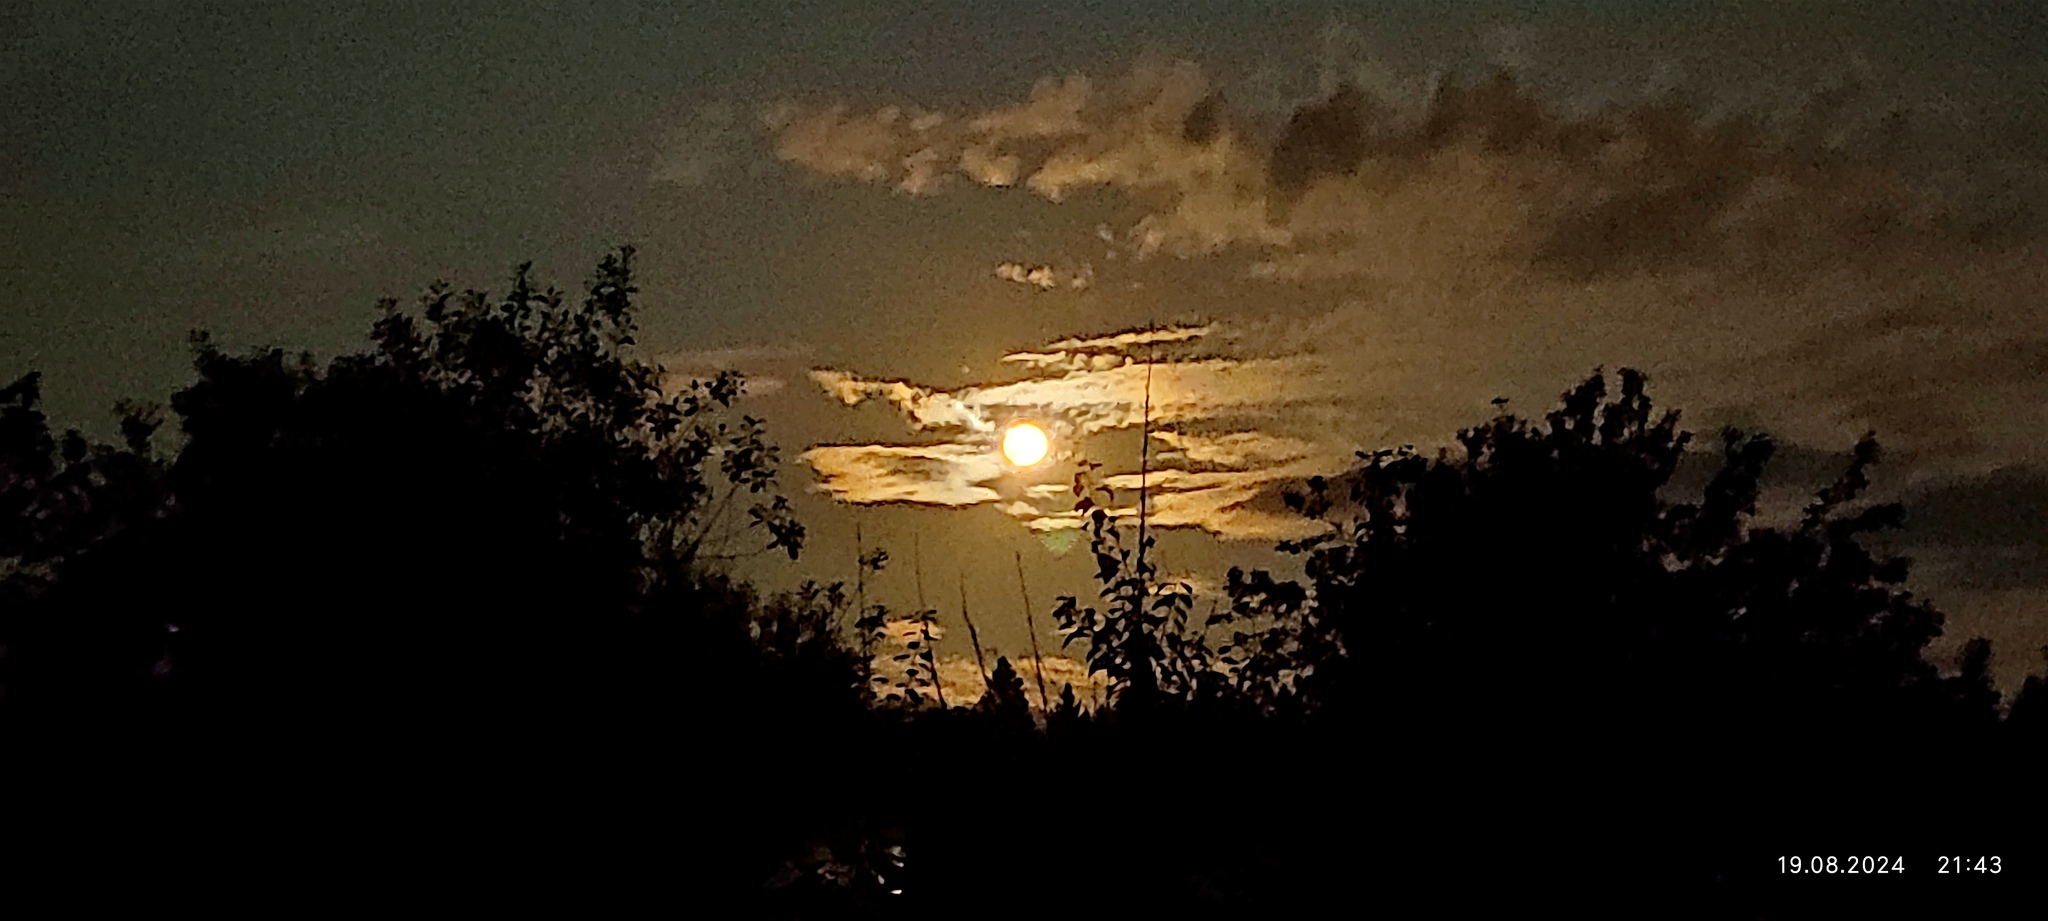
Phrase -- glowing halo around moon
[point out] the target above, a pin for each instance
(1025, 444)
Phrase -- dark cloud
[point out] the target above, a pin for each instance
(1795, 473)
(1204, 120)
(1499, 113)
(1839, 171)
(2004, 512)
(1323, 138)
(1979, 545)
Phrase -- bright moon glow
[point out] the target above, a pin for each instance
(1025, 444)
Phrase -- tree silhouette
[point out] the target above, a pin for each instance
(60, 497)
(1535, 598)
(483, 547)
(2028, 718)
(465, 591)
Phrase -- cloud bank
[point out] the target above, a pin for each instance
(1819, 255)
(1618, 188)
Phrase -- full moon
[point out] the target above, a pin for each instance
(1025, 444)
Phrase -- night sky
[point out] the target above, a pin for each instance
(1349, 226)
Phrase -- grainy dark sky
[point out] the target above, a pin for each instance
(1816, 218)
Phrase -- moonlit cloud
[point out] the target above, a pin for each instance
(1104, 352)
(1045, 277)
(1156, 131)
(888, 143)
(924, 408)
(1123, 341)
(1234, 450)
(1643, 233)
(1499, 240)
(1039, 276)
(942, 475)
(1583, 193)
(1819, 254)
(1210, 460)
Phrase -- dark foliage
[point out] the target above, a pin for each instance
(451, 581)
(449, 611)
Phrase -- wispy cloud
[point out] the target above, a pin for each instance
(1209, 416)
(1037, 276)
(1101, 353)
(950, 475)
(1157, 130)
(763, 369)
(1045, 277)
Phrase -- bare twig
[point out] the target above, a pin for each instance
(917, 564)
(925, 615)
(1031, 623)
(931, 661)
(974, 636)
(860, 611)
(717, 512)
(1144, 464)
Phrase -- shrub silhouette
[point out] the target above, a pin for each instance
(481, 548)
(462, 592)
(1533, 598)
